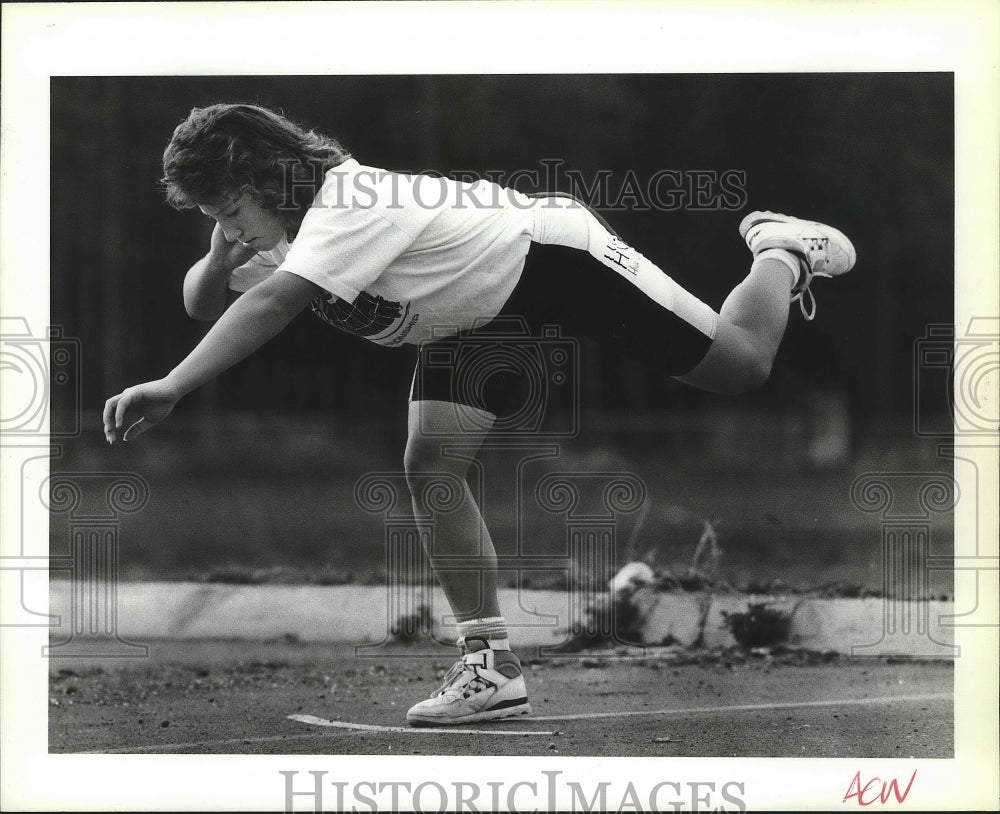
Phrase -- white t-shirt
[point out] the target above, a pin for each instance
(404, 258)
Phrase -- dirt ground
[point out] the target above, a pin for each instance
(236, 698)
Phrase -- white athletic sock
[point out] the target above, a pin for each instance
(492, 630)
(782, 256)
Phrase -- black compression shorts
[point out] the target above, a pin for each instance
(563, 294)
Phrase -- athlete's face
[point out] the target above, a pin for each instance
(242, 218)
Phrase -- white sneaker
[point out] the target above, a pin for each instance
(822, 250)
(484, 685)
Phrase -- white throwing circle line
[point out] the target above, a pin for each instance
(639, 713)
(412, 730)
(846, 702)
(584, 716)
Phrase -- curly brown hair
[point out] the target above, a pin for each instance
(224, 149)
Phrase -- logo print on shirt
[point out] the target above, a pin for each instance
(366, 316)
(619, 254)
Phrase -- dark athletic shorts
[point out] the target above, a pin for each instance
(563, 294)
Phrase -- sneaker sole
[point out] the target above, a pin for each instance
(523, 708)
(754, 218)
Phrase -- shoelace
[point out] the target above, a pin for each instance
(809, 312)
(805, 293)
(458, 670)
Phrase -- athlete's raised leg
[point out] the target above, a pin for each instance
(751, 324)
(788, 254)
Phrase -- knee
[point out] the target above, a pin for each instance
(419, 458)
(737, 362)
(753, 374)
(423, 461)
(739, 375)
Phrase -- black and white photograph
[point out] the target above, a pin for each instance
(424, 417)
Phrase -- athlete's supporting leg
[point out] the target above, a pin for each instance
(487, 682)
(462, 553)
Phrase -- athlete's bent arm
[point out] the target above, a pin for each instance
(254, 319)
(206, 285)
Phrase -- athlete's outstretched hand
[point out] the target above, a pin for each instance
(138, 409)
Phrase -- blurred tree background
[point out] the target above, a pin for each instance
(870, 153)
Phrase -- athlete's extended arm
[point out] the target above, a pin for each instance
(254, 319)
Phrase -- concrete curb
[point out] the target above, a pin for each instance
(363, 615)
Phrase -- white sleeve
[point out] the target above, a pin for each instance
(345, 249)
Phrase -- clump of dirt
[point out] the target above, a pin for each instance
(617, 620)
(760, 626)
